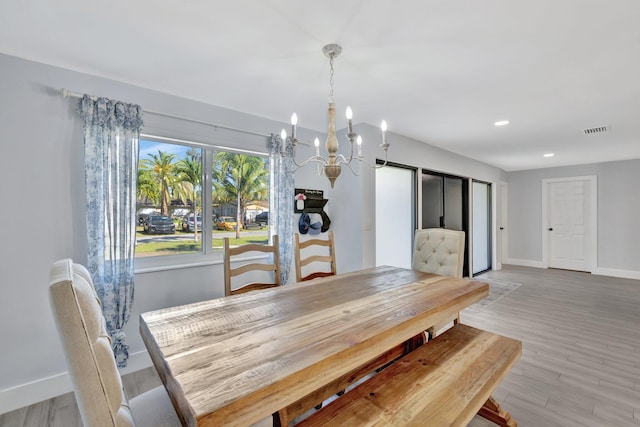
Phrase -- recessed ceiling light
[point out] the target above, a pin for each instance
(549, 155)
(501, 123)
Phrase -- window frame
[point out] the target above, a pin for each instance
(207, 255)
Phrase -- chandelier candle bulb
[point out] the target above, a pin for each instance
(359, 141)
(316, 142)
(383, 126)
(294, 122)
(349, 117)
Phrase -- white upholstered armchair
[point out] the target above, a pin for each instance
(92, 366)
(439, 251)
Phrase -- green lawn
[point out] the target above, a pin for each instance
(189, 246)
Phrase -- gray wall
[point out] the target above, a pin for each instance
(618, 207)
(43, 214)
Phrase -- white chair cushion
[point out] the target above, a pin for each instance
(439, 251)
(154, 409)
(87, 346)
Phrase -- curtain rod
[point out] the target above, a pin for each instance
(68, 94)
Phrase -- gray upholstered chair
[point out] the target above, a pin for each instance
(439, 251)
(92, 366)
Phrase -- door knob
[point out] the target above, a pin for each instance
(550, 229)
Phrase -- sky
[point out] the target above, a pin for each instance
(151, 147)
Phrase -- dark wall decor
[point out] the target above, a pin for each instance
(307, 203)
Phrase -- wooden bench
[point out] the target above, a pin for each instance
(442, 383)
(288, 414)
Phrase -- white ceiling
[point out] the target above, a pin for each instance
(440, 71)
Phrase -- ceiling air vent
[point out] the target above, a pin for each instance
(598, 129)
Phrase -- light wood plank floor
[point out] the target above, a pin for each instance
(581, 348)
(580, 364)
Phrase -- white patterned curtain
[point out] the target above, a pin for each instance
(111, 132)
(281, 200)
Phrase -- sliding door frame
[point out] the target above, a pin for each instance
(466, 205)
(490, 227)
(416, 194)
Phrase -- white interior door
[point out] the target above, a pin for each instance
(569, 220)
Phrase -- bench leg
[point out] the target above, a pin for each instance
(280, 418)
(431, 332)
(492, 411)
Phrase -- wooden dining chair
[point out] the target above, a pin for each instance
(311, 248)
(439, 251)
(229, 272)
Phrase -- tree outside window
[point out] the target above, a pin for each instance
(170, 191)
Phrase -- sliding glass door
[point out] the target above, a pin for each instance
(445, 202)
(395, 215)
(481, 227)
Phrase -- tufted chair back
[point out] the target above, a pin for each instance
(81, 326)
(439, 251)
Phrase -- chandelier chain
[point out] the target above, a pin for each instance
(331, 78)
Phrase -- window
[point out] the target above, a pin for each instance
(182, 211)
(240, 192)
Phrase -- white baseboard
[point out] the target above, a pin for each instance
(33, 392)
(525, 263)
(600, 271)
(56, 385)
(613, 272)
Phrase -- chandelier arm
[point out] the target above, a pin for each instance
(374, 166)
(350, 154)
(296, 164)
(352, 137)
(315, 159)
(353, 171)
(318, 159)
(340, 159)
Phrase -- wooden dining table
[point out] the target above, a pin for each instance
(238, 359)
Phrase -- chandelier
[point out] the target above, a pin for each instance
(332, 165)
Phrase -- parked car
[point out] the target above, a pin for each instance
(262, 218)
(143, 218)
(226, 223)
(187, 222)
(159, 224)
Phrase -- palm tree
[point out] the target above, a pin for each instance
(162, 166)
(241, 177)
(147, 186)
(189, 176)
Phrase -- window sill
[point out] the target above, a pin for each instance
(179, 262)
